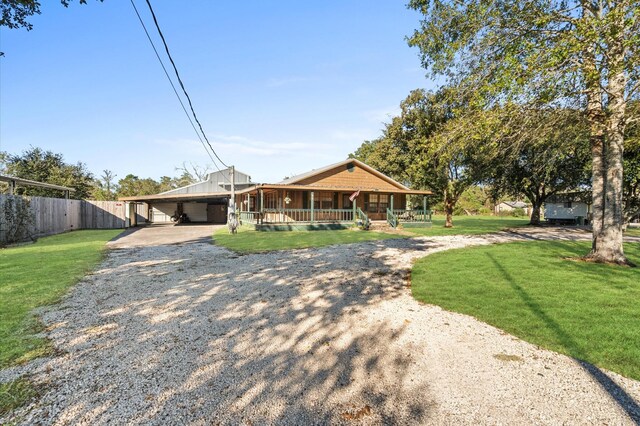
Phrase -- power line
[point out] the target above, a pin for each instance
(172, 85)
(166, 48)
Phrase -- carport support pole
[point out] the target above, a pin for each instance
(312, 206)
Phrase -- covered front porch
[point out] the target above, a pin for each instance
(285, 207)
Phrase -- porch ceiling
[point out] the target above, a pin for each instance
(333, 189)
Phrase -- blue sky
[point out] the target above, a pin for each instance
(281, 87)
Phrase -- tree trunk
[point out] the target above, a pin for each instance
(607, 138)
(448, 203)
(448, 210)
(535, 212)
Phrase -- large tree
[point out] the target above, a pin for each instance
(15, 13)
(585, 53)
(105, 187)
(48, 167)
(131, 185)
(422, 147)
(631, 189)
(538, 153)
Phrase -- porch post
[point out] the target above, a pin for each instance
(248, 202)
(391, 203)
(424, 207)
(261, 206)
(353, 205)
(312, 206)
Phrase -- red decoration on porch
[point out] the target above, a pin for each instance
(354, 195)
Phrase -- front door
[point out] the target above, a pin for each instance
(346, 202)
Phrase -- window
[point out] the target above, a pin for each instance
(373, 203)
(383, 202)
(567, 204)
(323, 200)
(249, 203)
(271, 200)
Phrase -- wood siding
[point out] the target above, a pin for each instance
(342, 177)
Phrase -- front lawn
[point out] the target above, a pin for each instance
(250, 241)
(587, 311)
(38, 274)
(469, 225)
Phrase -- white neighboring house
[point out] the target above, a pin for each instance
(568, 207)
(507, 206)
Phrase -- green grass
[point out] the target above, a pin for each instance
(36, 275)
(531, 290)
(250, 241)
(15, 394)
(469, 225)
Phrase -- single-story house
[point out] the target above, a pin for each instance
(334, 196)
(509, 206)
(344, 192)
(568, 207)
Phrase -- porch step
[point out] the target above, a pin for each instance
(379, 225)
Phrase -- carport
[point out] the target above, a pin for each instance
(200, 208)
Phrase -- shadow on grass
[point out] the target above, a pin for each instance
(618, 394)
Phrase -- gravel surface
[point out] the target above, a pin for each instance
(194, 334)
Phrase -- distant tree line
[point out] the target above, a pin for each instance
(49, 167)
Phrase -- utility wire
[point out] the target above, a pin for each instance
(166, 48)
(172, 85)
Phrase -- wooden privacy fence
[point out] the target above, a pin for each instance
(22, 218)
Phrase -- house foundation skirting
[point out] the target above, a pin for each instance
(269, 227)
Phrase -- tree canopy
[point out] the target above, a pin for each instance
(583, 54)
(15, 13)
(45, 166)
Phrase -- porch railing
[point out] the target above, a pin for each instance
(362, 218)
(392, 219)
(307, 215)
(412, 216)
(249, 217)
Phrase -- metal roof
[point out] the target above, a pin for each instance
(27, 182)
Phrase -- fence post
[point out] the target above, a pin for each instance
(312, 206)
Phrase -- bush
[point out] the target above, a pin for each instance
(17, 219)
(518, 212)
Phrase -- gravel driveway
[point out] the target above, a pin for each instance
(194, 334)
